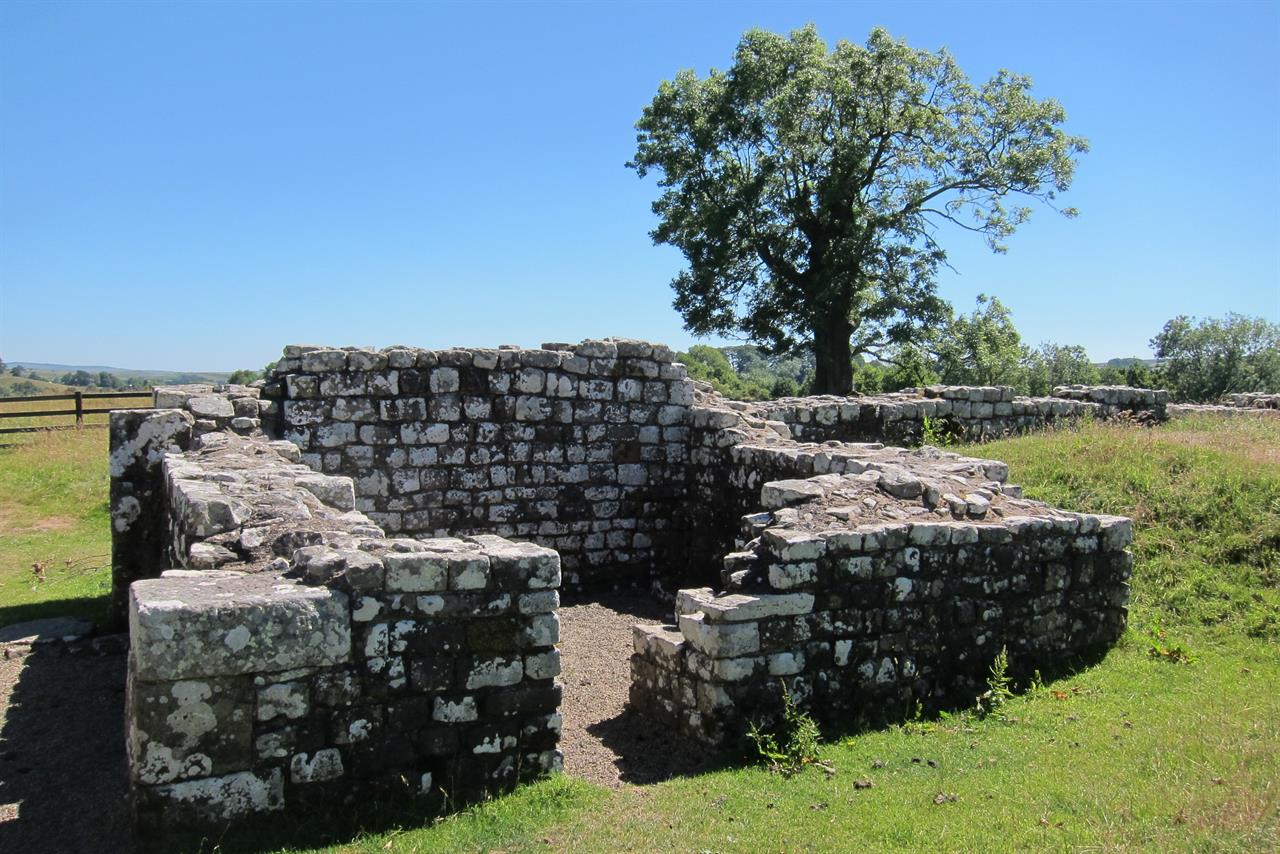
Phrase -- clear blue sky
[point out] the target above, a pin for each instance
(191, 187)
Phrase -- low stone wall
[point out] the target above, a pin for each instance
(580, 448)
(1232, 405)
(1253, 400)
(867, 579)
(969, 413)
(296, 655)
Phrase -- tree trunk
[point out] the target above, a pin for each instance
(831, 350)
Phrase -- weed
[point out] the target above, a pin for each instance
(793, 744)
(940, 432)
(999, 687)
(1158, 648)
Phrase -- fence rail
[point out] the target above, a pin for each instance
(77, 409)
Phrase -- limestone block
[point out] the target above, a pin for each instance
(1117, 532)
(720, 640)
(784, 493)
(786, 576)
(664, 643)
(216, 800)
(455, 710)
(141, 437)
(185, 628)
(495, 673)
(188, 729)
(202, 509)
(323, 765)
(320, 361)
(336, 492)
(742, 607)
(415, 572)
(543, 665)
(785, 663)
(794, 546)
(283, 699)
(211, 406)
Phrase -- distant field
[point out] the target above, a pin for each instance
(8, 383)
(139, 399)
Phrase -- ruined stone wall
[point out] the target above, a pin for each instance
(580, 448)
(295, 655)
(343, 611)
(868, 578)
(966, 413)
(1232, 405)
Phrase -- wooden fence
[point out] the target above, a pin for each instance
(77, 408)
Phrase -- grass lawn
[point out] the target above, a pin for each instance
(53, 512)
(1172, 742)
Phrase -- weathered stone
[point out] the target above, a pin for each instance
(227, 626)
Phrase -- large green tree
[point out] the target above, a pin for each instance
(807, 188)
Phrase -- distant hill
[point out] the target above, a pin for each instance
(48, 369)
(8, 386)
(1124, 363)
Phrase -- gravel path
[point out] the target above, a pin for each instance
(603, 741)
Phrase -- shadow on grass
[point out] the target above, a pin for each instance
(95, 609)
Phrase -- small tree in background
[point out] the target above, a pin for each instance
(807, 187)
(1133, 372)
(1203, 361)
(1053, 365)
(982, 348)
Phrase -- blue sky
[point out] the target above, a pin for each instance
(190, 187)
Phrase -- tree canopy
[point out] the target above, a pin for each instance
(807, 188)
(1203, 361)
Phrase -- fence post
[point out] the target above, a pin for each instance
(79, 409)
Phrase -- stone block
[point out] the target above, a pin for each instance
(183, 628)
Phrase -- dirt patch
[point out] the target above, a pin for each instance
(603, 741)
(53, 523)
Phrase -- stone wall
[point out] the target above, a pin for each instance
(868, 579)
(968, 413)
(294, 654)
(1232, 405)
(580, 448)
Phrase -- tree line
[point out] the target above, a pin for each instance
(107, 381)
(1197, 361)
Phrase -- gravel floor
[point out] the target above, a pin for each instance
(603, 741)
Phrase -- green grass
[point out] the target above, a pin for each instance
(1137, 752)
(1204, 495)
(53, 511)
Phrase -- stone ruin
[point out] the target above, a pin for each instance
(1250, 403)
(346, 578)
